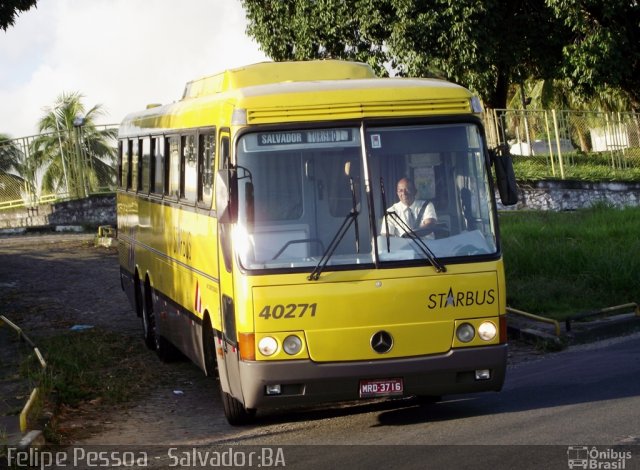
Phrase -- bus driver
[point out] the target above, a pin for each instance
(417, 214)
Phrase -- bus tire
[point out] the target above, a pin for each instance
(209, 349)
(166, 351)
(148, 318)
(235, 412)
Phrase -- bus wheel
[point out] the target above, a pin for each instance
(235, 412)
(166, 351)
(148, 319)
(209, 349)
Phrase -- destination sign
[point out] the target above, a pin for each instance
(304, 137)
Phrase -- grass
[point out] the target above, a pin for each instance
(561, 263)
(557, 264)
(94, 367)
(605, 166)
(89, 365)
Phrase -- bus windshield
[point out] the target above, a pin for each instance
(303, 197)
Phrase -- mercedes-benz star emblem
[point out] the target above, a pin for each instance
(382, 342)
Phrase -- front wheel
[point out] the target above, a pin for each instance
(235, 412)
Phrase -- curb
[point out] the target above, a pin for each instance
(30, 438)
(545, 335)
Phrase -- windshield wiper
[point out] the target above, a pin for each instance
(326, 256)
(409, 233)
(385, 221)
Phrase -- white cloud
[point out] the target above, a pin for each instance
(122, 54)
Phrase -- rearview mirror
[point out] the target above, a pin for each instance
(226, 206)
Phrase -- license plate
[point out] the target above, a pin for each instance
(370, 388)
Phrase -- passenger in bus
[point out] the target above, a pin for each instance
(417, 214)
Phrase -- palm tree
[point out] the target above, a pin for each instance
(9, 154)
(559, 94)
(18, 174)
(74, 154)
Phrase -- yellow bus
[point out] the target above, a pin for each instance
(262, 235)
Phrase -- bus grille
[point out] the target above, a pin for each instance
(357, 110)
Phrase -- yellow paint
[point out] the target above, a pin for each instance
(178, 249)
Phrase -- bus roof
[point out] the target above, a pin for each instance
(276, 72)
(278, 92)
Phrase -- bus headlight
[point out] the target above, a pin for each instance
(465, 332)
(292, 345)
(487, 331)
(267, 346)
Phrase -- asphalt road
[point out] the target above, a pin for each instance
(582, 400)
(585, 399)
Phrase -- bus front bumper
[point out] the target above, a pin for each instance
(307, 382)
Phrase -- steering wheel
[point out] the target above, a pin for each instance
(439, 230)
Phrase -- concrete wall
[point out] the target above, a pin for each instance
(538, 195)
(90, 212)
(572, 195)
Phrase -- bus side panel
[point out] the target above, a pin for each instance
(125, 246)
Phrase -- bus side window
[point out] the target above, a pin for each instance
(174, 166)
(189, 166)
(224, 153)
(121, 160)
(135, 165)
(206, 165)
(126, 164)
(158, 153)
(146, 164)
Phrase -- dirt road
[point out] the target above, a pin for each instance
(50, 283)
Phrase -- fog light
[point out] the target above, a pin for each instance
(274, 389)
(292, 345)
(483, 374)
(487, 331)
(465, 332)
(268, 346)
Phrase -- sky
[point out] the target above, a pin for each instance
(121, 54)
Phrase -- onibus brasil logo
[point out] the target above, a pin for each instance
(594, 458)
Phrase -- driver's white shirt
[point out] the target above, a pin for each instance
(401, 209)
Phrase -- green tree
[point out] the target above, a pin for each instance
(9, 154)
(321, 29)
(485, 46)
(18, 174)
(9, 10)
(75, 155)
(603, 53)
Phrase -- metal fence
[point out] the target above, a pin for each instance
(564, 144)
(545, 144)
(53, 167)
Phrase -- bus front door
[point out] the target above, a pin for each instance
(228, 365)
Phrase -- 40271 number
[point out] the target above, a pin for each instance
(279, 311)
